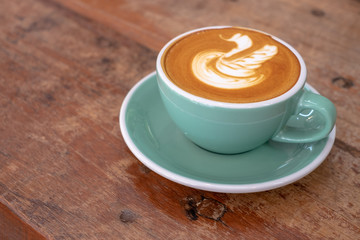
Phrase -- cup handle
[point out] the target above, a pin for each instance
(312, 126)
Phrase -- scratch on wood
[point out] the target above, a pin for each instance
(5, 154)
(347, 148)
(343, 82)
(356, 169)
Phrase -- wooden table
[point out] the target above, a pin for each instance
(65, 171)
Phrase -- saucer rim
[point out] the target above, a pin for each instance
(217, 187)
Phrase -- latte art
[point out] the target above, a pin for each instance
(231, 70)
(231, 64)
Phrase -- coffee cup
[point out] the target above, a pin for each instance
(231, 89)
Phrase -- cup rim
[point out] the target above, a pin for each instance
(291, 92)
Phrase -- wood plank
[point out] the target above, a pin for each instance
(65, 169)
(22, 230)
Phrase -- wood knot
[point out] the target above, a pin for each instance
(204, 207)
(318, 12)
(127, 216)
(343, 82)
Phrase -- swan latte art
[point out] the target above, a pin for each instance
(231, 64)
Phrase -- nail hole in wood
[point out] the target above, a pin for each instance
(127, 216)
(318, 12)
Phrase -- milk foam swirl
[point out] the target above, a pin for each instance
(224, 70)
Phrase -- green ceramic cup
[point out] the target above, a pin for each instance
(297, 116)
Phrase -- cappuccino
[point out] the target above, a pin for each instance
(231, 64)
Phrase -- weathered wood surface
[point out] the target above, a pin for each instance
(65, 171)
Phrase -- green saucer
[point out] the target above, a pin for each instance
(157, 143)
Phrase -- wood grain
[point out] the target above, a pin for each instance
(65, 171)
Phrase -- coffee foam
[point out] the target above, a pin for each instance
(222, 70)
(231, 65)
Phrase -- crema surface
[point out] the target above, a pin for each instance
(231, 65)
